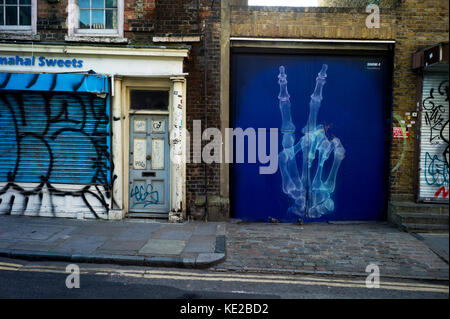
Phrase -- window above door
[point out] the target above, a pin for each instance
(151, 100)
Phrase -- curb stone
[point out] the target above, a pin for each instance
(199, 262)
(220, 244)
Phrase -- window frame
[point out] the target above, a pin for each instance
(22, 29)
(74, 31)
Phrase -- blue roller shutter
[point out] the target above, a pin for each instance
(54, 128)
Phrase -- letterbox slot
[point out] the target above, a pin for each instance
(148, 174)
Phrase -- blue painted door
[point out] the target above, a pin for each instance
(149, 164)
(332, 114)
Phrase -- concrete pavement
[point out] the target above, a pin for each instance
(438, 243)
(130, 241)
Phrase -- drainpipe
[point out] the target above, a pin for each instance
(205, 70)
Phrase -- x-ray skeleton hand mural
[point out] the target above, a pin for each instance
(311, 194)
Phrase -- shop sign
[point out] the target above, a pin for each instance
(41, 61)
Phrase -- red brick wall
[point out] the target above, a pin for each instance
(51, 20)
(139, 16)
(195, 98)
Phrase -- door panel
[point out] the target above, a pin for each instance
(149, 164)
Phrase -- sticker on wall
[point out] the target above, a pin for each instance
(158, 126)
(399, 132)
(373, 65)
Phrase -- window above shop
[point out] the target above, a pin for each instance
(100, 19)
(97, 15)
(18, 16)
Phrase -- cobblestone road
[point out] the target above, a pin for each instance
(329, 249)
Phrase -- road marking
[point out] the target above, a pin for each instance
(241, 292)
(7, 268)
(10, 264)
(296, 282)
(253, 278)
(54, 271)
(140, 273)
(286, 277)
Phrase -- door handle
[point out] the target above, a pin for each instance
(148, 157)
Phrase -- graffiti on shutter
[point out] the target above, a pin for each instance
(54, 145)
(434, 140)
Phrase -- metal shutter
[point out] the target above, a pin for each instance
(433, 162)
(57, 133)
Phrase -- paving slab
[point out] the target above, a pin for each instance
(5, 244)
(123, 246)
(108, 229)
(137, 231)
(199, 247)
(438, 243)
(206, 229)
(176, 235)
(163, 247)
(31, 232)
(83, 245)
(33, 247)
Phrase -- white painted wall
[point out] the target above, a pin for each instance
(14, 202)
(176, 145)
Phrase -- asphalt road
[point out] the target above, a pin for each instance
(23, 279)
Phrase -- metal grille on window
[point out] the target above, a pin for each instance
(98, 14)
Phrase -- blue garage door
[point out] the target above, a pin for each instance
(332, 114)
